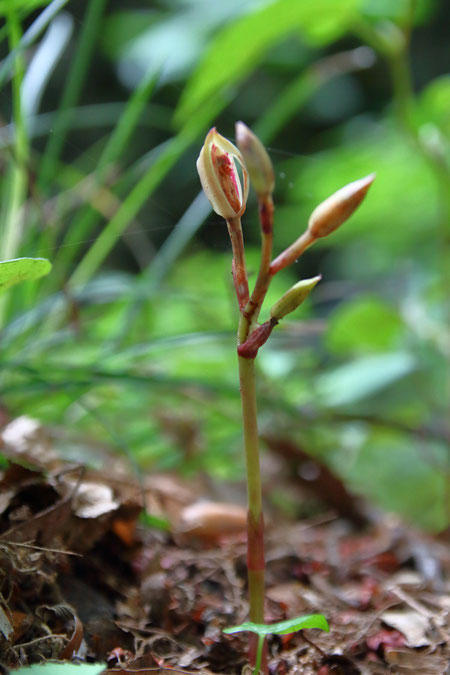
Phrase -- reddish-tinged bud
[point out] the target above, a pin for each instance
(293, 298)
(256, 339)
(339, 207)
(219, 176)
(257, 161)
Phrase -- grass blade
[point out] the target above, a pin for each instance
(72, 90)
(29, 37)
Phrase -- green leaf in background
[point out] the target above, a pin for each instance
(168, 41)
(379, 10)
(434, 104)
(123, 27)
(282, 627)
(22, 269)
(363, 325)
(403, 476)
(402, 199)
(239, 47)
(363, 377)
(63, 669)
(20, 5)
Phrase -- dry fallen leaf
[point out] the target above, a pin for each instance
(90, 500)
(5, 626)
(411, 661)
(24, 437)
(212, 520)
(411, 624)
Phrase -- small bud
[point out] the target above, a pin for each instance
(339, 207)
(256, 159)
(219, 176)
(293, 298)
(256, 339)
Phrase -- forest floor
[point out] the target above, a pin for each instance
(84, 579)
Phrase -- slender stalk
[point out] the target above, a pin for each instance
(255, 520)
(239, 268)
(249, 314)
(292, 253)
(263, 280)
(251, 441)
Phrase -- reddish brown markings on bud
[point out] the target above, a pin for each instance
(266, 216)
(226, 171)
(255, 533)
(249, 348)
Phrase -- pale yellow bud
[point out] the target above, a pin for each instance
(335, 210)
(293, 298)
(219, 176)
(256, 159)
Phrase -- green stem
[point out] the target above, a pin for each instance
(255, 521)
(259, 653)
(239, 268)
(292, 253)
(263, 280)
(251, 439)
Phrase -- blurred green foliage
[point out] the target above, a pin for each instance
(130, 340)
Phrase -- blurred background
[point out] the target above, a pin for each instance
(130, 341)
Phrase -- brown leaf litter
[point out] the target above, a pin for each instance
(82, 580)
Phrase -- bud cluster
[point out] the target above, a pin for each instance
(218, 167)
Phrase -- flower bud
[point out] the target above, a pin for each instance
(339, 207)
(256, 159)
(293, 298)
(256, 339)
(219, 176)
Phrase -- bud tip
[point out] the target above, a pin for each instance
(257, 160)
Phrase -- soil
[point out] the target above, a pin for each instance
(85, 577)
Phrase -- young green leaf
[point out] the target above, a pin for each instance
(22, 269)
(282, 627)
(239, 47)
